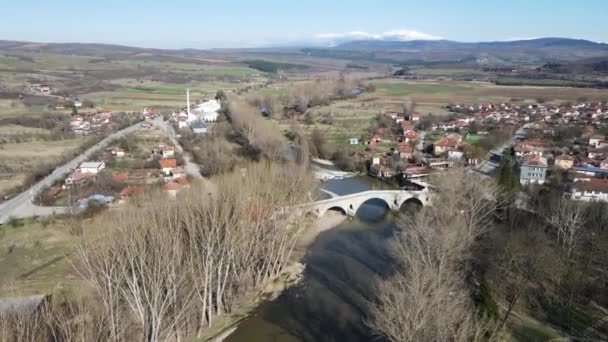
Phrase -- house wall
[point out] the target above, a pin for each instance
(532, 174)
(589, 196)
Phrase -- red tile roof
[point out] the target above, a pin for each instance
(120, 177)
(132, 190)
(593, 184)
(167, 163)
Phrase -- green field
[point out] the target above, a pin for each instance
(404, 89)
(543, 82)
(271, 91)
(472, 138)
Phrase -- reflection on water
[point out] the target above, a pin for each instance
(330, 302)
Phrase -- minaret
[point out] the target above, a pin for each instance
(188, 102)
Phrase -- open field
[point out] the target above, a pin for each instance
(405, 89)
(431, 96)
(20, 159)
(32, 256)
(36, 254)
(352, 117)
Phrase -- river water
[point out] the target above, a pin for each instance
(330, 303)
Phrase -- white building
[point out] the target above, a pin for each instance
(92, 167)
(208, 111)
(594, 189)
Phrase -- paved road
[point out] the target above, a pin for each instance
(22, 205)
(488, 166)
(192, 168)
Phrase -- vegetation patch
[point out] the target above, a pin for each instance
(543, 82)
(404, 89)
(270, 66)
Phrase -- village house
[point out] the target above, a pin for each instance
(405, 150)
(198, 127)
(379, 170)
(175, 186)
(448, 142)
(92, 167)
(410, 136)
(564, 161)
(597, 153)
(593, 189)
(182, 120)
(120, 177)
(530, 147)
(78, 178)
(595, 139)
(148, 112)
(353, 141)
(118, 152)
(164, 151)
(130, 191)
(167, 165)
(533, 170)
(406, 126)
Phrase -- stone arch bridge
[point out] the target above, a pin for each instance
(349, 204)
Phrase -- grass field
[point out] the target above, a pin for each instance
(472, 138)
(404, 89)
(543, 82)
(23, 158)
(271, 91)
(32, 256)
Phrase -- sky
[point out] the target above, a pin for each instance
(241, 23)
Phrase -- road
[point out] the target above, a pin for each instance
(488, 166)
(22, 205)
(191, 168)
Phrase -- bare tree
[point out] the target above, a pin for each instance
(568, 220)
(168, 268)
(427, 298)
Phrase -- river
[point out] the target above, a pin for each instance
(330, 302)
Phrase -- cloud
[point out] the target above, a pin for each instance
(510, 39)
(402, 35)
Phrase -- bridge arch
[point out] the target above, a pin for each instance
(412, 203)
(375, 201)
(336, 208)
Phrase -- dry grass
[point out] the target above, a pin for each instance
(10, 182)
(20, 159)
(31, 256)
(22, 155)
(17, 129)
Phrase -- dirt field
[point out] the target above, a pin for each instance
(430, 96)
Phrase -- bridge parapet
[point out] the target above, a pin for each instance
(349, 204)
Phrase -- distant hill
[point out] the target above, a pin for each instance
(534, 51)
(592, 66)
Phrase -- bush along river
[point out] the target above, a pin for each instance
(331, 301)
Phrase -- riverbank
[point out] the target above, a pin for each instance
(325, 169)
(225, 325)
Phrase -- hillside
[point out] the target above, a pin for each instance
(532, 51)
